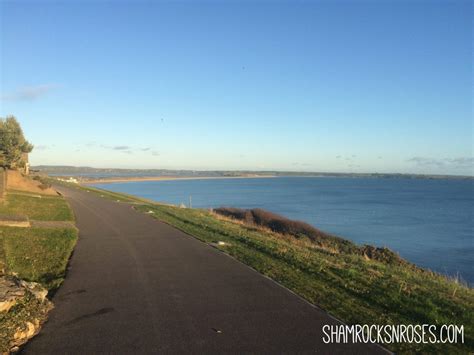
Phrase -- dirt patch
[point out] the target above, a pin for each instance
(53, 224)
(14, 221)
(18, 181)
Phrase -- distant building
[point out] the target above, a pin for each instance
(71, 179)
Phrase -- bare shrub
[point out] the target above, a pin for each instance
(283, 225)
(298, 229)
(236, 213)
(44, 183)
(381, 254)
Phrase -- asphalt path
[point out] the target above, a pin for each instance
(137, 285)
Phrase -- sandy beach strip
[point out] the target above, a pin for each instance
(167, 178)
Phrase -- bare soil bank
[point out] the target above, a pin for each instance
(16, 181)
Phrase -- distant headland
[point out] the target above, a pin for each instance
(86, 174)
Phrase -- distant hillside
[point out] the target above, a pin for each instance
(85, 171)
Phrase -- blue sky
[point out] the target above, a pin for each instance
(347, 86)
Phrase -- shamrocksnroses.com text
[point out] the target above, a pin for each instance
(390, 334)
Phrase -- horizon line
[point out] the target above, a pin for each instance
(280, 171)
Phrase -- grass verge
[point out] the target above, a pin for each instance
(38, 254)
(33, 254)
(36, 207)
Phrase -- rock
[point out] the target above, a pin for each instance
(22, 334)
(36, 289)
(12, 289)
(9, 293)
(30, 312)
(7, 304)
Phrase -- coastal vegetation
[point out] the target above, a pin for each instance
(358, 285)
(298, 229)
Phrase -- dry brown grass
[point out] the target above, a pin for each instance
(17, 181)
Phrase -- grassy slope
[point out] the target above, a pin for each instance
(35, 254)
(37, 207)
(38, 254)
(352, 288)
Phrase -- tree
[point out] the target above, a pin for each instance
(12, 143)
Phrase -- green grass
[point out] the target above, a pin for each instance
(37, 254)
(36, 207)
(33, 254)
(352, 288)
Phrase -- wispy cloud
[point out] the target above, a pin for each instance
(126, 149)
(41, 147)
(29, 93)
(116, 147)
(347, 157)
(421, 161)
(460, 162)
(121, 147)
(464, 161)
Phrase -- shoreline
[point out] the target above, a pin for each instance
(167, 178)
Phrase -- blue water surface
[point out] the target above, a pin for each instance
(428, 222)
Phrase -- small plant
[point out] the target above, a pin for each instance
(44, 182)
(44, 186)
